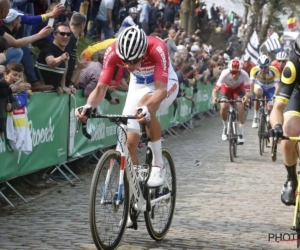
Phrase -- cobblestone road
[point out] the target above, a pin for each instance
(220, 205)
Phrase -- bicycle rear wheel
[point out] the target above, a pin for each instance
(107, 218)
(261, 133)
(159, 219)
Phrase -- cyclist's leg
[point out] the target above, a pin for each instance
(258, 90)
(158, 170)
(239, 94)
(291, 127)
(135, 93)
(225, 94)
(269, 93)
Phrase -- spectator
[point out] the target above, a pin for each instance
(77, 25)
(144, 16)
(4, 7)
(165, 30)
(169, 13)
(94, 8)
(104, 19)
(52, 62)
(153, 15)
(89, 77)
(171, 44)
(7, 103)
(196, 51)
(11, 24)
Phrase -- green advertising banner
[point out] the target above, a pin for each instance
(183, 112)
(53, 125)
(103, 132)
(48, 125)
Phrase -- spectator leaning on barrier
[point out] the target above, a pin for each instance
(52, 62)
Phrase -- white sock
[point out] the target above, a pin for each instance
(224, 123)
(156, 151)
(241, 129)
(255, 113)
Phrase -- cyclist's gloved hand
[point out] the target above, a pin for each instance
(82, 113)
(144, 111)
(276, 131)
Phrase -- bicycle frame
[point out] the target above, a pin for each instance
(233, 112)
(126, 164)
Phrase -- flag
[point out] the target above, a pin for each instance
(253, 49)
(272, 43)
(291, 23)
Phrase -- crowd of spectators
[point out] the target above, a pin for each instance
(58, 67)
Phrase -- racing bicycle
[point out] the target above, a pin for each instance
(119, 190)
(232, 127)
(296, 219)
(263, 126)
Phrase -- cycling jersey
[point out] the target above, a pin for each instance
(276, 65)
(290, 83)
(127, 22)
(154, 66)
(269, 80)
(226, 79)
(248, 66)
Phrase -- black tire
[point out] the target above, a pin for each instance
(230, 138)
(298, 227)
(158, 227)
(106, 237)
(235, 139)
(261, 131)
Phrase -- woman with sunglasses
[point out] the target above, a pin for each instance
(264, 81)
(153, 85)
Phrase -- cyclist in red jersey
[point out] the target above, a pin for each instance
(281, 60)
(153, 86)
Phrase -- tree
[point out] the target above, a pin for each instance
(255, 10)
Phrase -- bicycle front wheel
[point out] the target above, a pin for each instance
(159, 219)
(261, 131)
(108, 214)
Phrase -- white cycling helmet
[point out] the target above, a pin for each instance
(263, 61)
(133, 10)
(282, 56)
(132, 43)
(246, 58)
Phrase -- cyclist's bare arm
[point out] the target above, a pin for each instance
(97, 95)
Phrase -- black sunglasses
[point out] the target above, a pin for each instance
(281, 61)
(64, 33)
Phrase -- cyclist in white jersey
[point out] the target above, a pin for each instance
(232, 84)
(128, 21)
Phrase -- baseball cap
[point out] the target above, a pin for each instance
(12, 15)
(195, 48)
